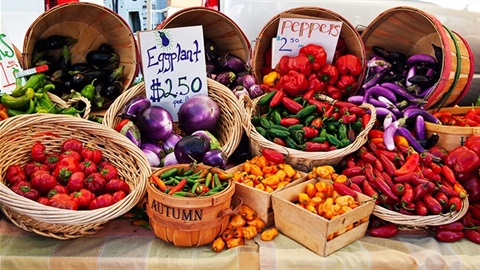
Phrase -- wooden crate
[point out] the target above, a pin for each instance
(451, 137)
(311, 230)
(260, 201)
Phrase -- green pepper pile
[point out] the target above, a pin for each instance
(32, 97)
(309, 124)
(193, 182)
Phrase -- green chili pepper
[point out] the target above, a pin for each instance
(261, 130)
(30, 109)
(169, 173)
(276, 116)
(342, 131)
(88, 91)
(333, 140)
(319, 139)
(217, 180)
(12, 102)
(35, 81)
(306, 111)
(265, 99)
(264, 122)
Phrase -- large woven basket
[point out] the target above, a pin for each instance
(348, 33)
(91, 25)
(223, 31)
(411, 31)
(414, 221)
(20, 132)
(301, 160)
(229, 128)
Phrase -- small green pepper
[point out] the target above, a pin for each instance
(88, 91)
(12, 102)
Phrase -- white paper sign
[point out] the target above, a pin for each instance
(9, 64)
(173, 65)
(293, 33)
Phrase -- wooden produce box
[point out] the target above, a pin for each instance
(450, 137)
(311, 230)
(259, 200)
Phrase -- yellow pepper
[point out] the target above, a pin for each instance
(260, 186)
(311, 190)
(257, 223)
(239, 232)
(311, 208)
(250, 232)
(341, 178)
(247, 212)
(325, 171)
(290, 171)
(303, 198)
(281, 174)
(345, 200)
(271, 78)
(235, 242)
(271, 181)
(218, 244)
(237, 221)
(227, 234)
(269, 235)
(255, 170)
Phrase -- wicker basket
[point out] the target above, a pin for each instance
(91, 25)
(420, 221)
(229, 129)
(223, 31)
(348, 33)
(66, 104)
(411, 31)
(18, 134)
(302, 160)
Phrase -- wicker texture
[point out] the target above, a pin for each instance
(66, 104)
(411, 31)
(348, 33)
(420, 221)
(20, 132)
(91, 25)
(302, 160)
(223, 31)
(229, 129)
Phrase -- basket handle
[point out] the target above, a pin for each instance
(249, 109)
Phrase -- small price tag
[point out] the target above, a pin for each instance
(295, 32)
(173, 66)
(9, 64)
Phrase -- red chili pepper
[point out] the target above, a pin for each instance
(421, 208)
(432, 204)
(309, 132)
(279, 141)
(273, 156)
(442, 198)
(385, 188)
(355, 187)
(375, 133)
(426, 159)
(357, 179)
(369, 190)
(398, 189)
(348, 118)
(438, 151)
(460, 189)
(366, 119)
(343, 189)
(454, 204)
(449, 236)
(430, 174)
(454, 226)
(384, 231)
(289, 121)
(328, 111)
(366, 155)
(291, 104)
(368, 171)
(357, 110)
(321, 105)
(314, 85)
(317, 122)
(406, 178)
(316, 146)
(410, 164)
(178, 187)
(352, 171)
(309, 94)
(277, 98)
(473, 235)
(387, 164)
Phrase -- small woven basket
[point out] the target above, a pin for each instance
(229, 128)
(302, 160)
(91, 25)
(20, 132)
(420, 221)
(67, 104)
(348, 33)
(411, 31)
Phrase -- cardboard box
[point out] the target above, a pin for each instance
(311, 230)
(259, 200)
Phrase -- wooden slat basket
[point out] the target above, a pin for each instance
(18, 135)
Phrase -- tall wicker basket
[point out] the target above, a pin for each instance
(18, 135)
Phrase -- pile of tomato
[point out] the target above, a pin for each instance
(74, 177)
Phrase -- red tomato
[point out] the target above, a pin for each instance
(92, 154)
(14, 174)
(95, 183)
(83, 197)
(76, 181)
(72, 144)
(43, 181)
(63, 201)
(103, 200)
(116, 185)
(38, 152)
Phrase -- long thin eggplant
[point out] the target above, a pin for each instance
(401, 92)
(420, 58)
(379, 90)
(389, 135)
(427, 116)
(402, 131)
(419, 128)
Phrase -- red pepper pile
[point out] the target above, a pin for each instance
(470, 119)
(75, 177)
(404, 180)
(309, 73)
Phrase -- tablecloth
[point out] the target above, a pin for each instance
(121, 245)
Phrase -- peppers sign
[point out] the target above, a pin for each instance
(173, 65)
(295, 32)
(9, 64)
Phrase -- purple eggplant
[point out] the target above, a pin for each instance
(240, 90)
(419, 128)
(379, 90)
(134, 107)
(215, 158)
(420, 58)
(389, 135)
(401, 92)
(248, 81)
(427, 116)
(211, 53)
(356, 99)
(131, 131)
(152, 157)
(402, 131)
(231, 62)
(375, 79)
(226, 78)
(255, 91)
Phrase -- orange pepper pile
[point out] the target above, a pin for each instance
(264, 175)
(243, 226)
(322, 199)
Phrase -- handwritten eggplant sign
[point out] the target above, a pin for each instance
(9, 64)
(173, 65)
(295, 32)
